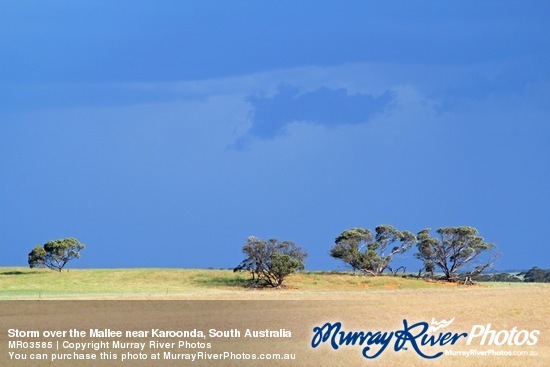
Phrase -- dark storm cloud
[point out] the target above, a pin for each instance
(324, 106)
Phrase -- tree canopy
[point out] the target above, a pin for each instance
(370, 254)
(537, 274)
(55, 254)
(456, 248)
(271, 261)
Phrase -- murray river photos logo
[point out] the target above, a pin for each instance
(418, 337)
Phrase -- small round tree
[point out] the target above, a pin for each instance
(271, 261)
(55, 254)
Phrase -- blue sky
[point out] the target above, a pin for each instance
(164, 133)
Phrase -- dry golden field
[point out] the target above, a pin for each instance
(369, 305)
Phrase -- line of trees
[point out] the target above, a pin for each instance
(533, 275)
(453, 248)
(271, 261)
(450, 251)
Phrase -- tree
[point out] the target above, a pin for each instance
(456, 248)
(55, 254)
(536, 274)
(429, 267)
(271, 261)
(370, 254)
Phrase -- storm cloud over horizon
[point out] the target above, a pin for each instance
(191, 127)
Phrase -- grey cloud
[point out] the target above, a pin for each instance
(324, 106)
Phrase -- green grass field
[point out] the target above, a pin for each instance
(25, 283)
